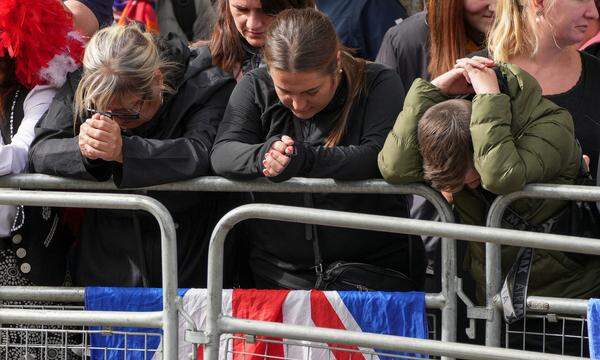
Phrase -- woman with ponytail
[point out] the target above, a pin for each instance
(315, 111)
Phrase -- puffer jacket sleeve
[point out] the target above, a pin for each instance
(400, 161)
(539, 153)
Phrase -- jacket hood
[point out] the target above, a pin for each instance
(192, 61)
(173, 49)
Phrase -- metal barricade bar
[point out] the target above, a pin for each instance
(385, 342)
(553, 305)
(77, 295)
(363, 222)
(167, 319)
(493, 252)
(42, 293)
(294, 185)
(82, 318)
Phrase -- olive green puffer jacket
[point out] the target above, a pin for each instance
(519, 137)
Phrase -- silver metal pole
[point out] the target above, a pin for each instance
(377, 341)
(549, 305)
(552, 305)
(82, 318)
(493, 259)
(117, 201)
(215, 284)
(435, 301)
(42, 293)
(216, 183)
(493, 277)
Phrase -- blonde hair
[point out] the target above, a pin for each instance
(513, 32)
(119, 61)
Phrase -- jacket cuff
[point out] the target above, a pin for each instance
(99, 169)
(297, 165)
(119, 170)
(491, 108)
(264, 150)
(423, 89)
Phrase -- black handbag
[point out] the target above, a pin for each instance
(353, 276)
(364, 277)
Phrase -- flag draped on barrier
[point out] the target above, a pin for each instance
(393, 313)
(593, 317)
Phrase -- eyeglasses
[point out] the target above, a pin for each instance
(122, 116)
(113, 115)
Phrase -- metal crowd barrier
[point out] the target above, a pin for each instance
(446, 300)
(218, 324)
(297, 185)
(167, 319)
(493, 255)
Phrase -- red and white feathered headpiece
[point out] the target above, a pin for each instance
(40, 36)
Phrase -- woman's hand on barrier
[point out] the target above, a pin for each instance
(278, 156)
(100, 138)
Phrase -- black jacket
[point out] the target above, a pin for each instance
(123, 247)
(255, 118)
(405, 48)
(40, 236)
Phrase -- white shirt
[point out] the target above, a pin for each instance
(13, 156)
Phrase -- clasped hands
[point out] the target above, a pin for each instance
(278, 156)
(469, 75)
(100, 138)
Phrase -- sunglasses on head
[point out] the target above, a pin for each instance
(115, 115)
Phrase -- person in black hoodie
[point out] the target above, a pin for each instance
(144, 112)
(315, 111)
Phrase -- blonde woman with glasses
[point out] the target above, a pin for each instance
(144, 111)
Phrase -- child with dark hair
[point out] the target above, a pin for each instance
(496, 144)
(445, 144)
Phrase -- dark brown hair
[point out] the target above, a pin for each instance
(447, 35)
(8, 85)
(226, 42)
(305, 40)
(445, 143)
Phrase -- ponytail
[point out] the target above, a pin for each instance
(354, 71)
